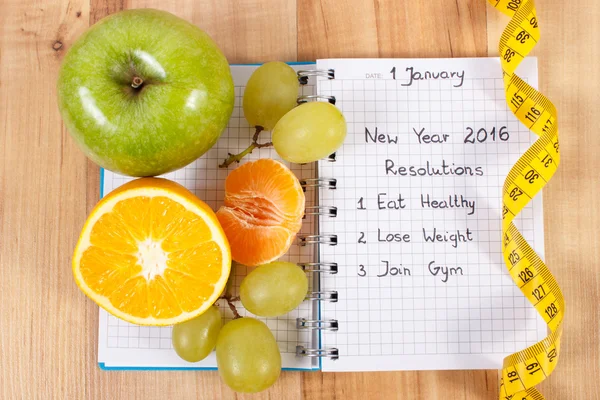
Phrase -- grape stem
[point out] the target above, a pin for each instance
(230, 299)
(254, 145)
(228, 294)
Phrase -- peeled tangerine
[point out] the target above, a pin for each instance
(264, 205)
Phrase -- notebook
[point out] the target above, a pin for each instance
(404, 256)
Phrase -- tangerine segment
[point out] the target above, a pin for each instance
(269, 182)
(152, 253)
(264, 205)
(254, 244)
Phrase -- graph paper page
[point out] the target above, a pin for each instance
(123, 345)
(422, 282)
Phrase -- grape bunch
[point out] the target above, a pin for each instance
(300, 133)
(248, 356)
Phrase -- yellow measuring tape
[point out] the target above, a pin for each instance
(525, 369)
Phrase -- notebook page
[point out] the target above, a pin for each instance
(422, 282)
(123, 345)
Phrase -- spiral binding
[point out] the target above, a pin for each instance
(328, 211)
(307, 97)
(303, 76)
(330, 352)
(305, 73)
(328, 183)
(305, 240)
(321, 267)
(330, 296)
(316, 325)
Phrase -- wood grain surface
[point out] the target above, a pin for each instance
(48, 329)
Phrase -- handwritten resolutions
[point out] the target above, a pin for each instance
(441, 167)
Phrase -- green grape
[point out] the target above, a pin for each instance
(274, 289)
(309, 132)
(248, 357)
(193, 340)
(271, 91)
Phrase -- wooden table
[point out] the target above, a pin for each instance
(48, 329)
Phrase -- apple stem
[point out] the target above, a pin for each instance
(136, 82)
(254, 145)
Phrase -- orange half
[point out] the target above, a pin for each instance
(152, 253)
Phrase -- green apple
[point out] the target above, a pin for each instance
(144, 92)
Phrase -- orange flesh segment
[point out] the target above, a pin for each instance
(264, 205)
(254, 244)
(266, 179)
(152, 257)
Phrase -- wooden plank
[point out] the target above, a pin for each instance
(101, 8)
(568, 57)
(45, 321)
(246, 31)
(401, 385)
(391, 28)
